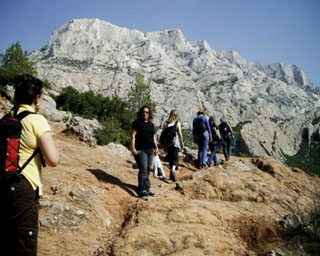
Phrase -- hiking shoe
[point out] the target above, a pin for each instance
(202, 167)
(143, 194)
(151, 193)
(173, 176)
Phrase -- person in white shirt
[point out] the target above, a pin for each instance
(176, 145)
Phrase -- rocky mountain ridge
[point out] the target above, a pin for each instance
(262, 100)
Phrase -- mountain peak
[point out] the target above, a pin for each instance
(186, 76)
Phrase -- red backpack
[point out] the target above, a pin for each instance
(10, 133)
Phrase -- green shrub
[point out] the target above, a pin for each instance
(188, 138)
(112, 112)
(112, 132)
(47, 85)
(308, 155)
(303, 231)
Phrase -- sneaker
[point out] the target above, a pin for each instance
(151, 193)
(143, 194)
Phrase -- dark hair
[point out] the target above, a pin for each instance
(139, 113)
(211, 120)
(27, 88)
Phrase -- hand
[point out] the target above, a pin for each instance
(156, 151)
(134, 152)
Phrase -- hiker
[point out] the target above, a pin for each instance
(201, 135)
(213, 145)
(227, 136)
(176, 144)
(19, 198)
(143, 147)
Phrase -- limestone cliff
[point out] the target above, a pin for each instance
(276, 102)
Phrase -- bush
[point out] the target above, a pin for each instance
(112, 112)
(308, 155)
(188, 138)
(303, 230)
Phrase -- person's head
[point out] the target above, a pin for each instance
(173, 116)
(222, 119)
(200, 112)
(211, 120)
(145, 113)
(28, 89)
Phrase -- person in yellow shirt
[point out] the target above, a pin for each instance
(19, 199)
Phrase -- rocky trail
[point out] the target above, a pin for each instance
(90, 205)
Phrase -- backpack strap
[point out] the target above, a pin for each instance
(29, 160)
(20, 116)
(175, 125)
(23, 114)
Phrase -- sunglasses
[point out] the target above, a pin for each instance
(145, 112)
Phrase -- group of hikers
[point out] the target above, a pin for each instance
(206, 134)
(32, 147)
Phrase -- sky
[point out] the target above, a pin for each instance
(267, 31)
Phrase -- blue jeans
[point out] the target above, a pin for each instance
(203, 141)
(213, 155)
(144, 160)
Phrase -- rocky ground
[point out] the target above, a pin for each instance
(90, 205)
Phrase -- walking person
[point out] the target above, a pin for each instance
(176, 145)
(201, 135)
(227, 136)
(19, 198)
(143, 147)
(213, 145)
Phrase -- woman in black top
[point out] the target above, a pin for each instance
(143, 147)
(227, 136)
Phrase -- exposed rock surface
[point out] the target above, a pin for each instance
(90, 205)
(94, 54)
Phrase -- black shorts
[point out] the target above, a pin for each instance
(19, 218)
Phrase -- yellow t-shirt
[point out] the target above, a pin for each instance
(34, 126)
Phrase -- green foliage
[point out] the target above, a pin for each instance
(303, 234)
(113, 113)
(14, 62)
(316, 121)
(47, 85)
(307, 158)
(188, 138)
(112, 132)
(140, 94)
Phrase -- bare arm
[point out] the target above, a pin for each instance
(156, 144)
(180, 138)
(133, 142)
(232, 134)
(49, 149)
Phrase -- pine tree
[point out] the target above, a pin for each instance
(15, 62)
(140, 94)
